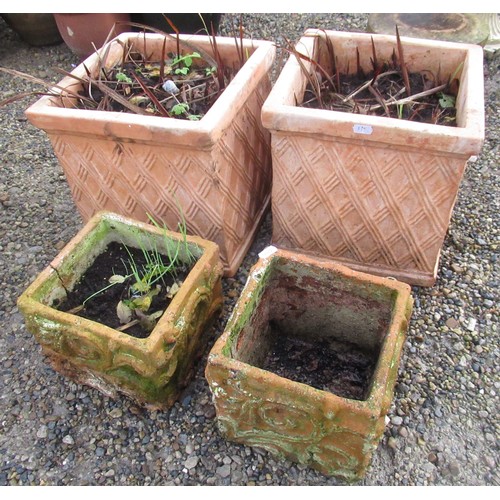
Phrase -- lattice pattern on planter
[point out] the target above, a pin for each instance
(223, 192)
(217, 169)
(373, 207)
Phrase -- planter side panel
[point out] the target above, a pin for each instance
(380, 210)
(135, 179)
(291, 420)
(151, 373)
(243, 161)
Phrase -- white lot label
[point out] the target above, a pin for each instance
(362, 129)
(268, 251)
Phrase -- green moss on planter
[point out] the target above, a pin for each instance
(152, 370)
(314, 300)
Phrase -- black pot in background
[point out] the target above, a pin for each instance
(34, 29)
(185, 23)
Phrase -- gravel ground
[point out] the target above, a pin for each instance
(443, 427)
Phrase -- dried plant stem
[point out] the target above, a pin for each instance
(412, 98)
(379, 99)
(367, 84)
(76, 309)
(127, 325)
(404, 69)
(150, 94)
(30, 78)
(118, 98)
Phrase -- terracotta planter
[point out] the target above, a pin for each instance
(81, 32)
(152, 370)
(291, 296)
(375, 193)
(218, 168)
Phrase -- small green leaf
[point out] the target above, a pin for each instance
(447, 101)
(122, 77)
(140, 287)
(180, 108)
(142, 303)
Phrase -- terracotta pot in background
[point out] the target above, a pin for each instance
(218, 169)
(374, 193)
(79, 31)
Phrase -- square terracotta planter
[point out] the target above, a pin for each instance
(291, 296)
(374, 193)
(152, 370)
(217, 168)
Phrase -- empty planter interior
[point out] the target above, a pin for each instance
(315, 330)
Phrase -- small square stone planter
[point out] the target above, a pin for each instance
(374, 193)
(218, 169)
(288, 298)
(152, 370)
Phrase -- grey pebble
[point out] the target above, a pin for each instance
(191, 462)
(68, 440)
(223, 471)
(42, 432)
(396, 420)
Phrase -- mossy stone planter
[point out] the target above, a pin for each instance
(294, 296)
(152, 370)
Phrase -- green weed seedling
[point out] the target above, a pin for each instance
(148, 280)
(186, 61)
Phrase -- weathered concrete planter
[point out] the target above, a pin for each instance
(152, 370)
(317, 300)
(374, 193)
(218, 168)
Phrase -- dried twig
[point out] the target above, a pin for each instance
(367, 84)
(404, 69)
(413, 98)
(153, 98)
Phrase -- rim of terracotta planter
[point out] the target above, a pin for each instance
(169, 324)
(279, 112)
(377, 401)
(139, 128)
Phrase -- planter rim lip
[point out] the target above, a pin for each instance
(424, 42)
(272, 252)
(209, 127)
(374, 402)
(287, 118)
(165, 323)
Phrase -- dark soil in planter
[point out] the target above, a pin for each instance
(102, 308)
(378, 98)
(341, 368)
(183, 87)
